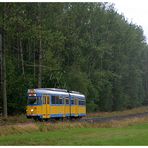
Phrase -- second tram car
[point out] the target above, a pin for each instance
(47, 103)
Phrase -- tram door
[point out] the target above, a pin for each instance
(46, 106)
(76, 106)
(66, 106)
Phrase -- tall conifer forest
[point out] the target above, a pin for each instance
(86, 47)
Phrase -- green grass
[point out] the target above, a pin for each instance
(131, 135)
(18, 130)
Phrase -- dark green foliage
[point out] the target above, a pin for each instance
(86, 47)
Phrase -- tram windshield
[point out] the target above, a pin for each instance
(33, 100)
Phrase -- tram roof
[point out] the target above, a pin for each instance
(55, 91)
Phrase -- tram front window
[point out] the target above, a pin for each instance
(32, 101)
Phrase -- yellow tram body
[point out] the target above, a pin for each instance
(48, 103)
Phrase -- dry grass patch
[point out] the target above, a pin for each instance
(14, 119)
(119, 113)
(17, 129)
(47, 126)
(111, 124)
(20, 124)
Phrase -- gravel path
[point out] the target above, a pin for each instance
(116, 118)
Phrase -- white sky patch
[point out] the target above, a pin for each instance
(134, 11)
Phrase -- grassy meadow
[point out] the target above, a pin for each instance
(132, 135)
(127, 132)
(18, 130)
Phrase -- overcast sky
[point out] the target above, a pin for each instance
(135, 11)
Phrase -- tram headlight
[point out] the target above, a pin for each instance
(31, 110)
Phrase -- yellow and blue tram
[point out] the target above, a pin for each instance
(49, 103)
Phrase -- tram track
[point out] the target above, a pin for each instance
(115, 118)
(86, 119)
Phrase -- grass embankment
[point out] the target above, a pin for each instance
(132, 135)
(132, 131)
(127, 132)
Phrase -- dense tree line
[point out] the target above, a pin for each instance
(87, 47)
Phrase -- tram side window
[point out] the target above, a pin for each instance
(81, 102)
(57, 100)
(60, 100)
(67, 101)
(72, 102)
(53, 99)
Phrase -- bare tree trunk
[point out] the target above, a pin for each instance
(2, 46)
(1, 56)
(34, 70)
(18, 53)
(4, 86)
(29, 50)
(1, 82)
(40, 48)
(22, 59)
(40, 64)
(3, 67)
